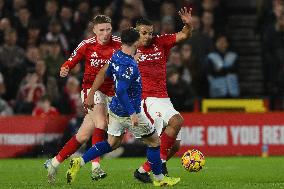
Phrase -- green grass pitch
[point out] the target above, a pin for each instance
(227, 173)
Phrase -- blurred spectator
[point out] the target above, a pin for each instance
(3, 9)
(81, 17)
(218, 10)
(66, 21)
(5, 108)
(221, 70)
(179, 91)
(273, 57)
(207, 24)
(71, 102)
(11, 63)
(30, 91)
(34, 37)
(40, 69)
(175, 62)
(167, 25)
(124, 23)
(191, 62)
(54, 59)
(22, 24)
(51, 8)
(169, 9)
(5, 25)
(16, 6)
(55, 34)
(32, 56)
(44, 108)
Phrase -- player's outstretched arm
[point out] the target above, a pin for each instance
(100, 78)
(186, 18)
(77, 55)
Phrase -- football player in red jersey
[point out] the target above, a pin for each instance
(156, 104)
(96, 51)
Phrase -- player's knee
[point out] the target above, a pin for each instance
(114, 144)
(153, 141)
(82, 138)
(176, 122)
(102, 124)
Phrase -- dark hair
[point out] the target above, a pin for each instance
(143, 21)
(101, 19)
(129, 36)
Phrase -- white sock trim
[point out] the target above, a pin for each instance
(54, 162)
(158, 177)
(95, 165)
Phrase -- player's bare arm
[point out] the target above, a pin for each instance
(186, 18)
(100, 78)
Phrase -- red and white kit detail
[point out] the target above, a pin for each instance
(156, 104)
(96, 56)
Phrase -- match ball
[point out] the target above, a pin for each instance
(193, 160)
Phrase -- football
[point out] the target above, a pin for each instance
(193, 160)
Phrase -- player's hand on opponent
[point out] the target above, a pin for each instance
(64, 71)
(134, 119)
(185, 15)
(137, 56)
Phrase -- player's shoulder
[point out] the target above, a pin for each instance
(116, 39)
(87, 41)
(160, 37)
(90, 40)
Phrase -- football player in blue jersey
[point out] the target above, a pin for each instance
(124, 111)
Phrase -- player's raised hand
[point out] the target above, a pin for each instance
(185, 15)
(64, 71)
(134, 119)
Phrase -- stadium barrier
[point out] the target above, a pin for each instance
(228, 134)
(215, 134)
(21, 135)
(234, 105)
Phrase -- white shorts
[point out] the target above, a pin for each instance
(117, 126)
(159, 111)
(99, 97)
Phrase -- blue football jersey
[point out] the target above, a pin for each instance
(128, 88)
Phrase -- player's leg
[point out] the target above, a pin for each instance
(115, 137)
(100, 119)
(82, 136)
(149, 136)
(167, 122)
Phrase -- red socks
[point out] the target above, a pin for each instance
(167, 143)
(68, 149)
(98, 136)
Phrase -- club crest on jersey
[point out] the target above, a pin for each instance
(155, 48)
(94, 55)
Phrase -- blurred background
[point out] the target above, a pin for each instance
(227, 79)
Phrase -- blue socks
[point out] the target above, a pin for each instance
(97, 150)
(153, 156)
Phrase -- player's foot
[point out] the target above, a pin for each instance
(143, 177)
(167, 181)
(165, 169)
(51, 171)
(74, 167)
(98, 173)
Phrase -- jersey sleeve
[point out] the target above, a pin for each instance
(76, 56)
(166, 40)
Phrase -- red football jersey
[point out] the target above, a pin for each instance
(96, 56)
(152, 65)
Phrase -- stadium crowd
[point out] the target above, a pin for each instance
(37, 36)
